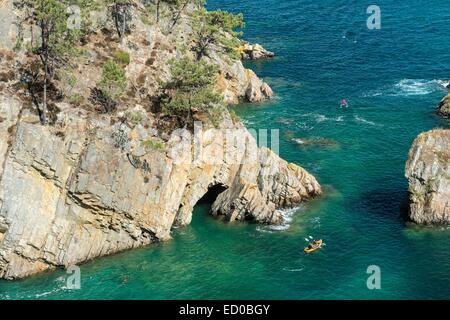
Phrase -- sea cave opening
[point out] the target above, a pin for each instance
(211, 195)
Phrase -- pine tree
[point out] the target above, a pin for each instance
(215, 27)
(121, 13)
(56, 39)
(191, 89)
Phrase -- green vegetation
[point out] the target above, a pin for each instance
(135, 117)
(113, 83)
(57, 40)
(191, 90)
(145, 19)
(189, 95)
(153, 144)
(169, 9)
(122, 57)
(75, 99)
(216, 27)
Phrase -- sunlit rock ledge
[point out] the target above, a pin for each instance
(428, 173)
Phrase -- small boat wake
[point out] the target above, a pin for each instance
(298, 269)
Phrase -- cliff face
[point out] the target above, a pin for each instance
(86, 188)
(428, 173)
(90, 185)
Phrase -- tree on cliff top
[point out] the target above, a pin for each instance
(121, 14)
(171, 8)
(182, 5)
(56, 38)
(191, 90)
(216, 27)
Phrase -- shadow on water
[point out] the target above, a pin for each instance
(384, 202)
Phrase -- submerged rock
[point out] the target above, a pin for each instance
(316, 141)
(428, 173)
(444, 107)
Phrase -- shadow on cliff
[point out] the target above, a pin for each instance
(212, 194)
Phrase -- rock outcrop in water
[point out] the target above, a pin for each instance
(255, 52)
(444, 107)
(95, 184)
(428, 173)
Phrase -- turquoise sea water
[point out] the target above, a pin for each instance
(325, 53)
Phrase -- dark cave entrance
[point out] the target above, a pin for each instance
(212, 194)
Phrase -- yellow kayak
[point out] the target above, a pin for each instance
(316, 245)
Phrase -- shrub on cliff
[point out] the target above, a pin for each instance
(60, 25)
(169, 11)
(56, 44)
(191, 90)
(122, 57)
(216, 27)
(153, 144)
(113, 83)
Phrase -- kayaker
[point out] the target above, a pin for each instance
(344, 103)
(313, 244)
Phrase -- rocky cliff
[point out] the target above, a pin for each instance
(93, 184)
(444, 107)
(86, 187)
(428, 173)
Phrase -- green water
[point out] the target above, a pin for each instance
(325, 53)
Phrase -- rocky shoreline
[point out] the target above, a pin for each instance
(68, 198)
(91, 184)
(444, 107)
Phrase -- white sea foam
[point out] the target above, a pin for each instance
(287, 215)
(362, 120)
(281, 227)
(298, 140)
(263, 229)
(443, 83)
(304, 126)
(410, 87)
(315, 222)
(60, 286)
(322, 118)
